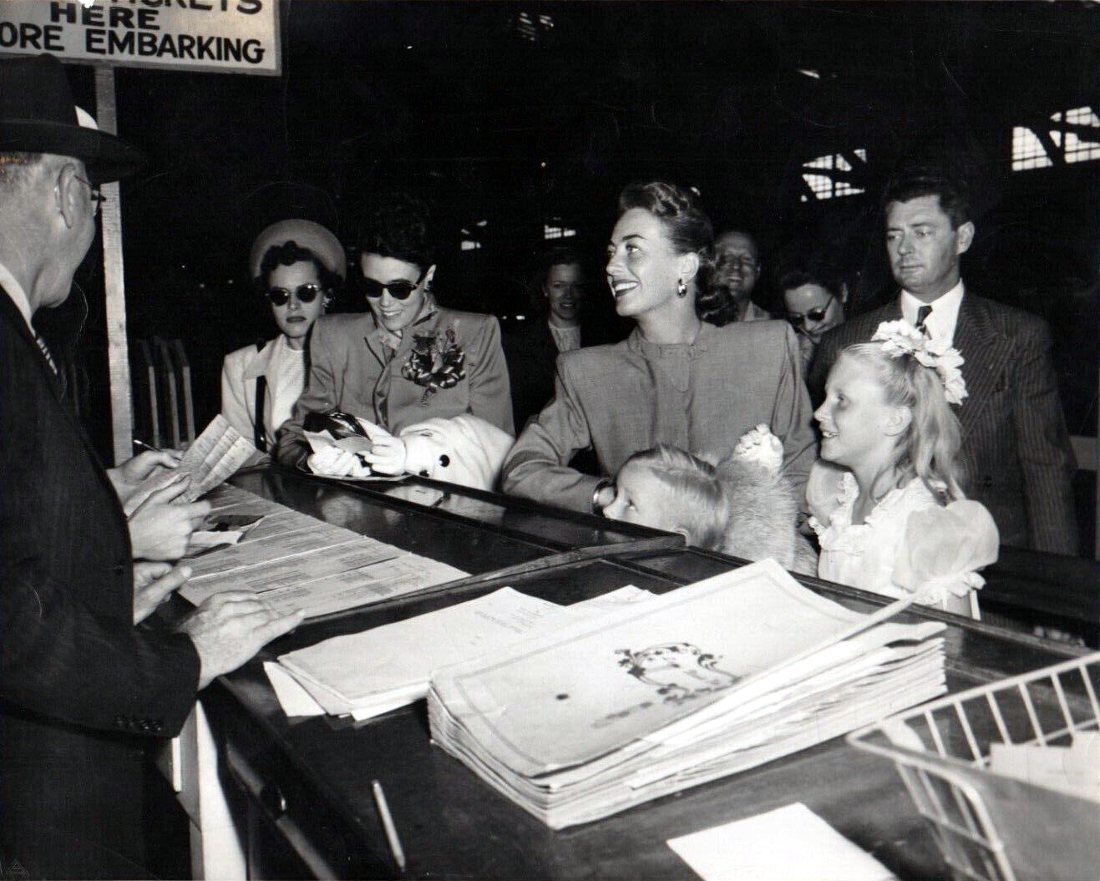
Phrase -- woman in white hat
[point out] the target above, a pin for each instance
(297, 266)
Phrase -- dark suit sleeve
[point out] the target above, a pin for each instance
(1046, 459)
(68, 647)
(824, 356)
(60, 660)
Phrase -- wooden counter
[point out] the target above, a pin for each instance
(307, 781)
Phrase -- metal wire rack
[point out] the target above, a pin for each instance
(989, 826)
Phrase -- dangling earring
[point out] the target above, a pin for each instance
(681, 288)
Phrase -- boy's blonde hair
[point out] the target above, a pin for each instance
(929, 447)
(697, 502)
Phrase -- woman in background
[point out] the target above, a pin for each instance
(297, 266)
(559, 324)
(814, 297)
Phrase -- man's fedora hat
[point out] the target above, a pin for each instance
(37, 115)
(305, 234)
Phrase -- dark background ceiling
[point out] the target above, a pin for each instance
(514, 113)
(457, 100)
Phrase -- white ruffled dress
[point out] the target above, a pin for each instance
(909, 542)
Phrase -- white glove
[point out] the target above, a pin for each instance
(335, 462)
(760, 446)
(388, 453)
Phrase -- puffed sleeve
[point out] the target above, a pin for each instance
(490, 395)
(823, 490)
(537, 468)
(234, 403)
(943, 548)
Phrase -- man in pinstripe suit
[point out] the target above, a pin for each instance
(1015, 452)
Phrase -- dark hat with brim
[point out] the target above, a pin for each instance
(37, 115)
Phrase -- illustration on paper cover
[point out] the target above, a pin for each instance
(678, 670)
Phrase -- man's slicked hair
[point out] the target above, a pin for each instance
(916, 181)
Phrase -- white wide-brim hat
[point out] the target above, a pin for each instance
(306, 234)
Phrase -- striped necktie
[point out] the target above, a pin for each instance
(922, 316)
(47, 353)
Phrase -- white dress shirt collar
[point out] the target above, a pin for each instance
(945, 311)
(17, 295)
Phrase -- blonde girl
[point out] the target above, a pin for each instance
(886, 503)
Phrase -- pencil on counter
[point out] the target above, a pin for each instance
(387, 825)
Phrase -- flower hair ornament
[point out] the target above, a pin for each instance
(901, 338)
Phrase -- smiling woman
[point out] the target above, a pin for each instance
(681, 378)
(406, 361)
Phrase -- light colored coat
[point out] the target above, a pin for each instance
(240, 370)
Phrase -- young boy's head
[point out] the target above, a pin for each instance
(668, 489)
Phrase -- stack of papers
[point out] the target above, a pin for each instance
(699, 683)
(370, 673)
(295, 562)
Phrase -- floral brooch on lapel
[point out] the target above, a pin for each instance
(434, 363)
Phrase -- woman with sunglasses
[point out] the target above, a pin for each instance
(405, 362)
(687, 375)
(297, 266)
(814, 297)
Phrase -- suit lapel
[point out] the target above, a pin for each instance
(985, 352)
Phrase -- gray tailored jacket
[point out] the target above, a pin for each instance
(630, 396)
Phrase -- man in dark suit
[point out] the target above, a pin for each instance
(82, 688)
(1016, 457)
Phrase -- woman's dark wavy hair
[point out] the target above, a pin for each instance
(287, 254)
(398, 225)
(689, 230)
(795, 274)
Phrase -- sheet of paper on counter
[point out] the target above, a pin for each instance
(788, 843)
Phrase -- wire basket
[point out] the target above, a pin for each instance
(987, 825)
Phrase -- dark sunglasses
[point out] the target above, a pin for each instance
(306, 293)
(399, 290)
(797, 319)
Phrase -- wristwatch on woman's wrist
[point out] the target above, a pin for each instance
(603, 484)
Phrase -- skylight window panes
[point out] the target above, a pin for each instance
(1027, 150)
(826, 186)
(557, 231)
(1072, 145)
